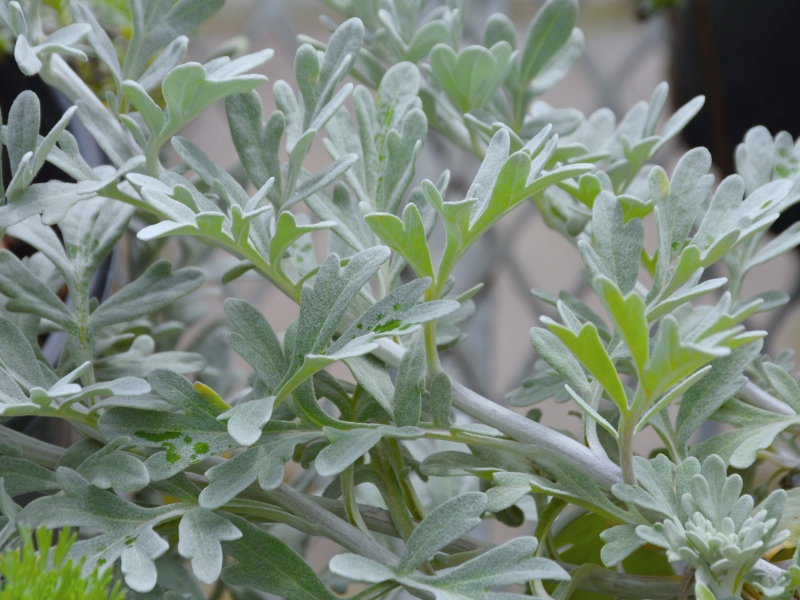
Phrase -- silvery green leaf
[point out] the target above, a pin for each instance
(679, 119)
(52, 200)
(630, 322)
(410, 383)
(360, 568)
(189, 89)
(22, 476)
(109, 467)
(577, 488)
(725, 379)
(445, 523)
(200, 533)
(209, 172)
(166, 60)
(784, 384)
(496, 155)
(157, 287)
(29, 295)
(754, 158)
(26, 58)
(397, 161)
(471, 77)
(678, 201)
(348, 445)
(264, 462)
(289, 229)
(682, 295)
(499, 27)
(45, 240)
(287, 574)
(18, 358)
(91, 229)
(620, 542)
(79, 452)
(140, 359)
(311, 184)
(555, 69)
(322, 307)
(32, 158)
(508, 489)
(185, 438)
(124, 386)
(128, 527)
(149, 112)
(256, 342)
(22, 131)
(340, 55)
(156, 24)
(723, 212)
(246, 420)
(257, 143)
(137, 561)
(313, 363)
(587, 347)
(556, 354)
(441, 399)
(787, 240)
(98, 38)
(396, 312)
(406, 237)
(619, 244)
(504, 565)
(9, 447)
(673, 359)
(373, 376)
(538, 389)
(549, 31)
(755, 430)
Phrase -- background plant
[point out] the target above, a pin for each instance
(173, 470)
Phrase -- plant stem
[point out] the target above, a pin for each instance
(374, 592)
(626, 427)
(349, 497)
(393, 497)
(332, 526)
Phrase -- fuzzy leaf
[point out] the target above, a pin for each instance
(445, 523)
(246, 420)
(200, 533)
(410, 383)
(157, 287)
(286, 575)
(349, 445)
(406, 237)
(263, 462)
(186, 438)
(129, 528)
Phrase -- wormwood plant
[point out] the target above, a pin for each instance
(28, 576)
(180, 464)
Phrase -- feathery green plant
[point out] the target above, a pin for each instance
(29, 574)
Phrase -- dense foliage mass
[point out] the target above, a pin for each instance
(184, 474)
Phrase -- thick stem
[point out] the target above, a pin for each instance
(543, 440)
(349, 497)
(393, 497)
(409, 493)
(626, 436)
(333, 527)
